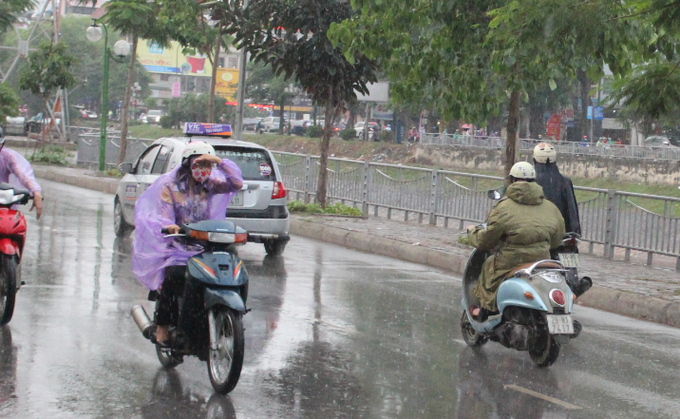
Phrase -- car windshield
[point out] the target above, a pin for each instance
(154, 113)
(254, 163)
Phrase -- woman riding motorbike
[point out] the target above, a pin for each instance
(199, 189)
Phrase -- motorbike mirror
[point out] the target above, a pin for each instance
(494, 194)
(125, 168)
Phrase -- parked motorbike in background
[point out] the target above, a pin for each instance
(12, 239)
(211, 327)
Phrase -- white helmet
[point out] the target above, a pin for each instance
(197, 148)
(523, 170)
(545, 153)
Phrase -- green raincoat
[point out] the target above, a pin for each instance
(521, 228)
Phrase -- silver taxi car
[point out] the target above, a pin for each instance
(260, 207)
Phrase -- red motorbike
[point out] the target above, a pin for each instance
(12, 239)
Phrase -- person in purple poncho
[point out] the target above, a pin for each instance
(16, 170)
(199, 189)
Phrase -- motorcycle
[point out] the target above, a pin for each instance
(534, 309)
(12, 239)
(211, 326)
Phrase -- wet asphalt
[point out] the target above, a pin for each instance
(332, 333)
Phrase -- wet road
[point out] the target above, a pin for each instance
(332, 334)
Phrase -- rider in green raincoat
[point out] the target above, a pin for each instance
(521, 228)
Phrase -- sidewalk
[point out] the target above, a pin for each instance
(627, 288)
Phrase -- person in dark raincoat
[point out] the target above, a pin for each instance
(521, 228)
(557, 188)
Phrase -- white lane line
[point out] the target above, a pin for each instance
(542, 396)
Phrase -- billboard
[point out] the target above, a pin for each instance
(226, 82)
(169, 60)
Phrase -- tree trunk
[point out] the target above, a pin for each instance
(126, 101)
(513, 124)
(585, 102)
(325, 147)
(352, 117)
(282, 107)
(216, 63)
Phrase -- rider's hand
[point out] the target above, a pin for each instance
(37, 204)
(173, 229)
(207, 160)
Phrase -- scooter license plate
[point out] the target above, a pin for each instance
(560, 324)
(569, 260)
(237, 200)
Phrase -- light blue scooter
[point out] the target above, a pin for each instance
(534, 309)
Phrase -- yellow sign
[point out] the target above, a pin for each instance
(226, 83)
(169, 60)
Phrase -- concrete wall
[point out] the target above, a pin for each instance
(615, 168)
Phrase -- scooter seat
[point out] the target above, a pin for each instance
(544, 265)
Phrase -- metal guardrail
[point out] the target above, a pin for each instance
(566, 147)
(614, 219)
(88, 140)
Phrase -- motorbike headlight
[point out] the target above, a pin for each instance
(553, 277)
(221, 237)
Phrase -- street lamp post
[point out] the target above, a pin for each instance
(121, 49)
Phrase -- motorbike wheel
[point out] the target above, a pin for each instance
(8, 287)
(226, 356)
(547, 351)
(470, 335)
(120, 226)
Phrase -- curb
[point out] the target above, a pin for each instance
(101, 184)
(602, 298)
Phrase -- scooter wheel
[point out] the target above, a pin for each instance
(471, 337)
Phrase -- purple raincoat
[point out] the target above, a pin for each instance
(16, 170)
(172, 201)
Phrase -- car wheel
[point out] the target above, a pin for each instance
(120, 226)
(275, 247)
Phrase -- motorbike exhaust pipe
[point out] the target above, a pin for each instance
(143, 321)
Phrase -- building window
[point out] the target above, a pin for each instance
(165, 77)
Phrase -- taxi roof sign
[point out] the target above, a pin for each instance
(201, 128)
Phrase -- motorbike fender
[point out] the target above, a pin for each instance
(511, 293)
(8, 247)
(218, 269)
(229, 298)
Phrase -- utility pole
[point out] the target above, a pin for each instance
(241, 92)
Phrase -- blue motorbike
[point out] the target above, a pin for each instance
(209, 319)
(534, 309)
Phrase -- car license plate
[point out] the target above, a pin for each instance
(560, 324)
(237, 200)
(569, 260)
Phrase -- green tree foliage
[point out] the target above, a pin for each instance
(466, 58)
(9, 103)
(10, 10)
(90, 66)
(265, 87)
(188, 22)
(50, 67)
(304, 52)
(136, 19)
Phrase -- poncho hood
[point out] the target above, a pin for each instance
(525, 193)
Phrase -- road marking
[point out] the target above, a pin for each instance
(542, 396)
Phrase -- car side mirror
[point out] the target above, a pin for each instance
(125, 168)
(494, 194)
